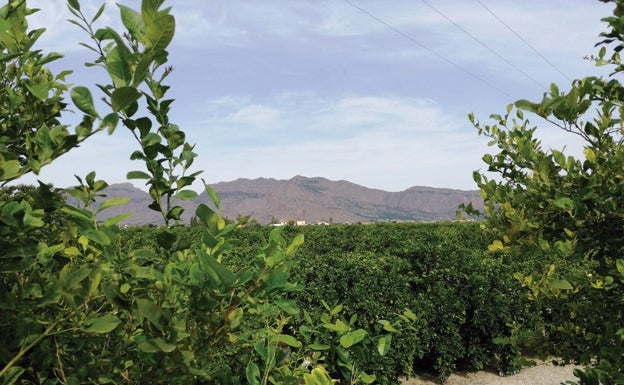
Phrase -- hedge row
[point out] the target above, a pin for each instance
(467, 302)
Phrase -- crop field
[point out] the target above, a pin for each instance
(468, 307)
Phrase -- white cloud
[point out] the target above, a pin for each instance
(199, 25)
(322, 89)
(254, 116)
(382, 142)
(60, 34)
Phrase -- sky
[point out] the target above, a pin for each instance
(376, 92)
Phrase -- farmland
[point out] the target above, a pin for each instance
(469, 308)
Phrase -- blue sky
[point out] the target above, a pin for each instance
(278, 88)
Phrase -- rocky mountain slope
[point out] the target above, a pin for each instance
(312, 200)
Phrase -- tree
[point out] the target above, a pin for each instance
(174, 314)
(569, 210)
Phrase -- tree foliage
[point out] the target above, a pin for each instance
(75, 306)
(570, 209)
(467, 306)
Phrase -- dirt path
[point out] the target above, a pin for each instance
(541, 374)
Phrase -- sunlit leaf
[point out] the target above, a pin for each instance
(383, 344)
(187, 195)
(112, 202)
(560, 284)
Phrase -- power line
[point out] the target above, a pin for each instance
(523, 40)
(485, 46)
(449, 61)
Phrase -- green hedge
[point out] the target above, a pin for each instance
(466, 299)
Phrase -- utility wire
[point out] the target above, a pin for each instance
(449, 61)
(523, 40)
(486, 46)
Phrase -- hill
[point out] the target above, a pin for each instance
(313, 200)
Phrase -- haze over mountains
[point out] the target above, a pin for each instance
(313, 200)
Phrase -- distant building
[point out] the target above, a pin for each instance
(284, 222)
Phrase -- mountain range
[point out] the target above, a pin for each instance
(310, 200)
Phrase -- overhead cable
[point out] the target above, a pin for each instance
(439, 55)
(486, 46)
(523, 40)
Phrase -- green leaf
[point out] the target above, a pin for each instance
(95, 279)
(74, 4)
(590, 155)
(223, 273)
(116, 219)
(497, 245)
(338, 326)
(277, 280)
(526, 105)
(175, 213)
(150, 311)
(383, 344)
(163, 345)
(148, 347)
(319, 347)
(101, 324)
(352, 338)
(9, 169)
(150, 139)
(111, 120)
(337, 309)
(186, 195)
(159, 34)
(252, 372)
(367, 378)
(234, 318)
(52, 56)
(98, 236)
(388, 326)
(343, 355)
(619, 264)
(207, 216)
(112, 202)
(81, 96)
(72, 251)
(123, 97)
(294, 245)
(119, 60)
(286, 339)
(98, 13)
(195, 274)
(32, 221)
(4, 26)
(138, 175)
(12, 375)
(71, 279)
(289, 306)
(212, 193)
(346, 341)
(39, 90)
(564, 203)
(132, 20)
(560, 284)
(318, 376)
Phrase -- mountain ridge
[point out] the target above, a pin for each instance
(310, 199)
